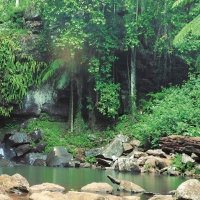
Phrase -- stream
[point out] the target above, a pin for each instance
(75, 178)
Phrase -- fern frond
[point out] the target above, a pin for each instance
(197, 64)
(49, 72)
(193, 27)
(63, 81)
(181, 3)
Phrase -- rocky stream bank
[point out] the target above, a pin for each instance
(121, 154)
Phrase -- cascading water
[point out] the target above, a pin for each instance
(2, 155)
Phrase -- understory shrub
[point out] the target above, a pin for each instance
(173, 111)
(181, 167)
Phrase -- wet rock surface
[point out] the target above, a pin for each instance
(59, 156)
(181, 144)
(98, 188)
(188, 190)
(14, 184)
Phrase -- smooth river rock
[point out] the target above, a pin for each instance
(84, 196)
(189, 189)
(51, 187)
(161, 197)
(14, 184)
(98, 188)
(4, 197)
(46, 195)
(128, 186)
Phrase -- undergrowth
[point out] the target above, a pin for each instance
(173, 111)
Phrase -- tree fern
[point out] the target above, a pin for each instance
(63, 81)
(193, 27)
(197, 64)
(49, 72)
(181, 3)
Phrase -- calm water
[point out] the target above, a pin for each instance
(75, 178)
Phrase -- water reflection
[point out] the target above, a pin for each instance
(75, 178)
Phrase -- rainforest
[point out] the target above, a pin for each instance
(114, 66)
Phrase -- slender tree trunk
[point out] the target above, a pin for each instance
(165, 50)
(133, 69)
(72, 108)
(133, 80)
(17, 3)
(91, 112)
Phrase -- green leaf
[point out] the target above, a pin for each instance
(181, 3)
(193, 27)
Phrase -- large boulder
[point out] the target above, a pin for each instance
(127, 147)
(98, 188)
(46, 195)
(157, 152)
(157, 162)
(51, 187)
(189, 189)
(6, 163)
(185, 159)
(37, 135)
(130, 198)
(83, 196)
(4, 197)
(92, 152)
(112, 151)
(14, 184)
(59, 156)
(128, 186)
(31, 157)
(123, 138)
(2, 190)
(19, 138)
(181, 144)
(22, 149)
(161, 197)
(127, 164)
(39, 147)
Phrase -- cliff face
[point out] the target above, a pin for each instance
(43, 99)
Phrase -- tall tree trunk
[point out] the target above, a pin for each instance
(91, 112)
(133, 80)
(165, 71)
(17, 3)
(72, 108)
(133, 69)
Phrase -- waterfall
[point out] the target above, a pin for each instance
(2, 153)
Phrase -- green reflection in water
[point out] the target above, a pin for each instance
(75, 178)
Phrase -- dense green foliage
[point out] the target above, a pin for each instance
(181, 167)
(174, 111)
(17, 71)
(84, 41)
(56, 134)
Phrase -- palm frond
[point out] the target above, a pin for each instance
(181, 3)
(193, 27)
